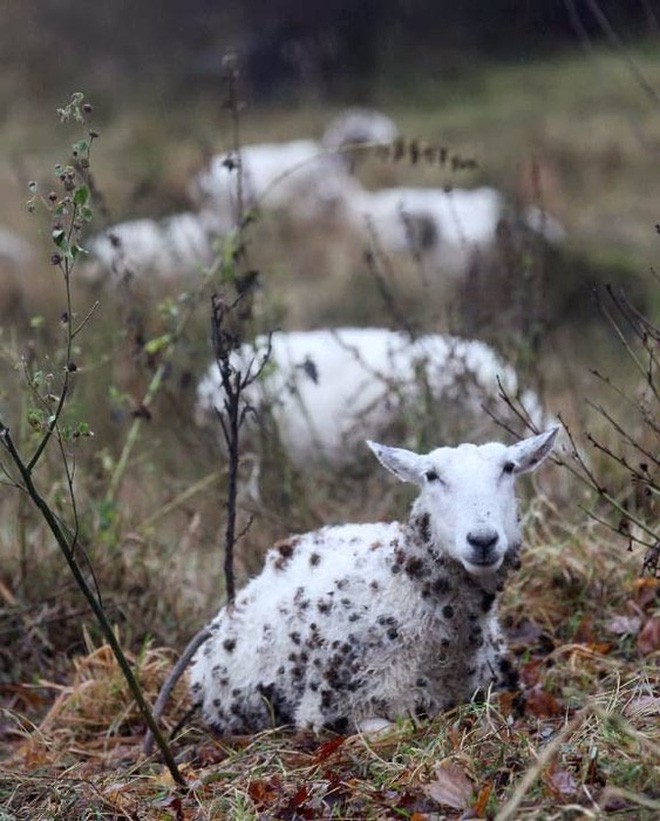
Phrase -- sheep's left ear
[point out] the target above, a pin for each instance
(530, 453)
(404, 464)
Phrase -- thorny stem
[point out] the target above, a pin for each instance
(67, 549)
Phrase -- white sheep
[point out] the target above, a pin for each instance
(446, 224)
(168, 248)
(354, 626)
(309, 180)
(329, 388)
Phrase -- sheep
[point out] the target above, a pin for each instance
(15, 252)
(329, 387)
(354, 626)
(307, 179)
(179, 244)
(449, 225)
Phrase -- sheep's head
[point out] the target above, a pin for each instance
(469, 495)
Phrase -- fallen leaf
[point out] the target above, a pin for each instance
(326, 750)
(481, 803)
(263, 792)
(542, 704)
(649, 636)
(622, 625)
(450, 787)
(530, 673)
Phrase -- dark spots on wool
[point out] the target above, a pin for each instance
(487, 600)
(229, 645)
(374, 585)
(223, 682)
(207, 650)
(335, 644)
(440, 586)
(400, 556)
(280, 670)
(416, 567)
(340, 584)
(445, 643)
(392, 633)
(421, 712)
(313, 686)
(448, 611)
(236, 692)
(394, 543)
(421, 682)
(327, 699)
(354, 617)
(396, 568)
(196, 687)
(314, 559)
(347, 603)
(338, 725)
(216, 702)
(387, 620)
(472, 616)
(376, 545)
(285, 547)
(324, 606)
(295, 637)
(424, 526)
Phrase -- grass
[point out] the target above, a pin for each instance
(582, 739)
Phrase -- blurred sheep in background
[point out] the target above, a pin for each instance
(329, 388)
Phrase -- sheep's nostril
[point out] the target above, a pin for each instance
(483, 539)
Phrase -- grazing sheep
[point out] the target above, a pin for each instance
(328, 388)
(449, 225)
(357, 625)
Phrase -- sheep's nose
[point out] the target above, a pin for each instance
(483, 541)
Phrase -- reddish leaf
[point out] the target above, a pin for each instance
(481, 803)
(451, 786)
(263, 792)
(646, 591)
(585, 632)
(329, 748)
(649, 637)
(542, 704)
(530, 673)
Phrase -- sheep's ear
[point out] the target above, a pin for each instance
(404, 464)
(530, 453)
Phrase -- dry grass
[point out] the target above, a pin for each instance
(583, 740)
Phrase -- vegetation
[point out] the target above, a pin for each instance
(581, 737)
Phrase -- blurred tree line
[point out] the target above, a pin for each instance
(331, 48)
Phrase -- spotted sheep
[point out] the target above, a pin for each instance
(357, 625)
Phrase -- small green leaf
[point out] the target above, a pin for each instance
(76, 250)
(81, 195)
(37, 322)
(59, 237)
(157, 344)
(86, 213)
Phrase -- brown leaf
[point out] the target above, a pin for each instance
(542, 704)
(263, 792)
(646, 591)
(649, 636)
(530, 673)
(481, 803)
(451, 786)
(326, 750)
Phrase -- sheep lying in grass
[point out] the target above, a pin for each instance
(306, 179)
(447, 225)
(328, 388)
(355, 626)
(168, 248)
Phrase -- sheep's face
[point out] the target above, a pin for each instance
(469, 495)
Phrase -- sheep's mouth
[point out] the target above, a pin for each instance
(478, 564)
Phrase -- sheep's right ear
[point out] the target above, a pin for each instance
(404, 464)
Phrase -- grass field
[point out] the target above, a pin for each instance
(576, 134)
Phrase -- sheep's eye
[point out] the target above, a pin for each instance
(431, 476)
(509, 467)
